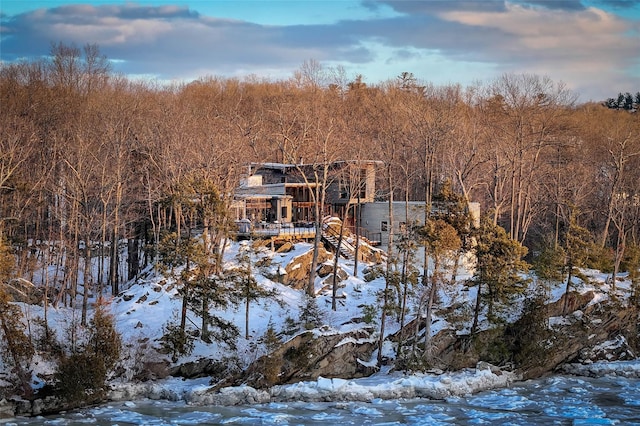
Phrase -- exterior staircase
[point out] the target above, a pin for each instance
(331, 236)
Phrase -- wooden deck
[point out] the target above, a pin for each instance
(280, 232)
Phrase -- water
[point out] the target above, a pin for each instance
(559, 400)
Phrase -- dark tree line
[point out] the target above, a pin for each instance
(625, 101)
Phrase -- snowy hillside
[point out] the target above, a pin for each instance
(148, 304)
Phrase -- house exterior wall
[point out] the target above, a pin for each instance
(375, 217)
(277, 179)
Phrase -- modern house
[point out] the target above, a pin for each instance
(276, 199)
(277, 193)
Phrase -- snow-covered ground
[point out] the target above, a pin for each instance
(146, 305)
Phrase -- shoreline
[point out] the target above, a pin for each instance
(381, 386)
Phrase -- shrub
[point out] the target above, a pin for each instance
(176, 341)
(310, 315)
(369, 314)
(81, 377)
(600, 258)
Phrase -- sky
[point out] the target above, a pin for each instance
(592, 46)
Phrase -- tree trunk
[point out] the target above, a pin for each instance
(87, 279)
(133, 260)
(334, 286)
(566, 290)
(476, 311)
(113, 262)
(246, 316)
(427, 321)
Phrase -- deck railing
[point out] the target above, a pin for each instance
(280, 230)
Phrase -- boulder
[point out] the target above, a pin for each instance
(297, 271)
(309, 356)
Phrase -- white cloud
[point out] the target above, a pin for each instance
(437, 41)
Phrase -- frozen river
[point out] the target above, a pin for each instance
(557, 400)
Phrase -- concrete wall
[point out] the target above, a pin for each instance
(375, 215)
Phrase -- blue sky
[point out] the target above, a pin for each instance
(593, 46)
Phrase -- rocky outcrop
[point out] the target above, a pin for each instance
(297, 271)
(217, 370)
(590, 331)
(309, 356)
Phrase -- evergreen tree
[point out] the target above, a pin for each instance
(204, 291)
(81, 375)
(577, 243)
(176, 258)
(453, 208)
(443, 242)
(611, 103)
(499, 268)
(176, 341)
(104, 340)
(549, 263)
(310, 315)
(631, 263)
(248, 288)
(628, 102)
(15, 346)
(530, 334)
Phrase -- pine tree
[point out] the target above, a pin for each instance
(310, 315)
(549, 263)
(104, 339)
(577, 242)
(248, 288)
(453, 208)
(15, 347)
(442, 241)
(631, 263)
(499, 268)
(82, 375)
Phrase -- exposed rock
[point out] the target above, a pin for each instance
(153, 370)
(588, 333)
(7, 409)
(325, 269)
(326, 272)
(204, 367)
(576, 301)
(297, 271)
(307, 357)
(285, 248)
(616, 349)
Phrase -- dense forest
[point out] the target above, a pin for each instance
(95, 165)
(89, 155)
